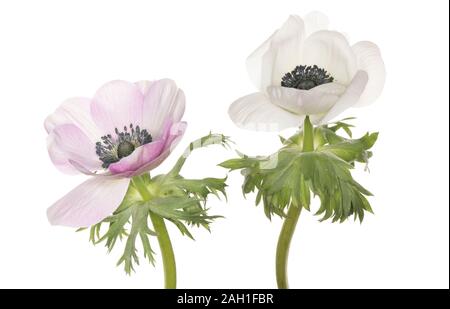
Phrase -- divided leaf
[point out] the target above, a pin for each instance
(174, 198)
(288, 177)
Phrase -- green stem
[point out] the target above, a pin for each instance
(284, 242)
(168, 257)
(308, 135)
(290, 222)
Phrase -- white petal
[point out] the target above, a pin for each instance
(74, 111)
(164, 103)
(256, 112)
(349, 98)
(330, 51)
(315, 21)
(317, 100)
(286, 47)
(280, 50)
(369, 59)
(260, 63)
(89, 203)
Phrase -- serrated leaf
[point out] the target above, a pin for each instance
(179, 200)
(183, 229)
(352, 150)
(200, 188)
(297, 174)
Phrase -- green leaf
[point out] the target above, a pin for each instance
(352, 150)
(342, 125)
(171, 207)
(235, 164)
(305, 197)
(293, 175)
(176, 199)
(200, 188)
(183, 229)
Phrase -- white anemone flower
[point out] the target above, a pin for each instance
(305, 69)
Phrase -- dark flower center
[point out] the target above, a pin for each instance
(113, 148)
(124, 149)
(306, 77)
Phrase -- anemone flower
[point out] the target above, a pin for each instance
(305, 69)
(306, 76)
(125, 130)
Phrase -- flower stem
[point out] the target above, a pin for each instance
(168, 257)
(308, 135)
(290, 222)
(284, 241)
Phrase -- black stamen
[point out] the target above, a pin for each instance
(306, 77)
(111, 149)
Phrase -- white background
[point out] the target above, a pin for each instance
(52, 50)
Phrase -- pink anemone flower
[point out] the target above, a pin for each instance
(125, 130)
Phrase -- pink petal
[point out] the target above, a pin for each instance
(164, 103)
(117, 104)
(174, 135)
(59, 157)
(67, 143)
(149, 156)
(74, 111)
(144, 86)
(89, 203)
(138, 158)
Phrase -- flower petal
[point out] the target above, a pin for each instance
(317, 100)
(349, 98)
(260, 63)
(142, 155)
(74, 111)
(278, 55)
(286, 47)
(89, 203)
(369, 59)
(163, 103)
(144, 86)
(256, 112)
(117, 104)
(330, 50)
(59, 157)
(315, 21)
(68, 143)
(173, 137)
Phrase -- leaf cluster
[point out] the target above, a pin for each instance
(291, 177)
(176, 199)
